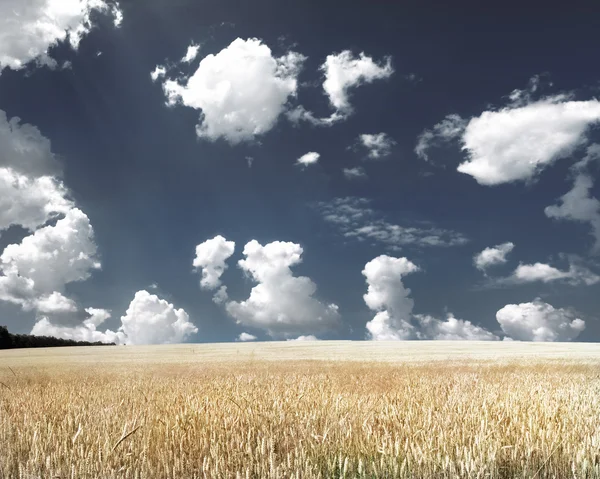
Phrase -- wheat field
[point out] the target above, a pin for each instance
(302, 410)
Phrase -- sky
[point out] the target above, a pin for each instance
(202, 171)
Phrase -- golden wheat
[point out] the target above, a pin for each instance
(295, 419)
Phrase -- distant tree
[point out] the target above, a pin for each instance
(13, 341)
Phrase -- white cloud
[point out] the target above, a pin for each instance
(281, 303)
(517, 141)
(343, 72)
(151, 320)
(379, 145)
(148, 320)
(221, 296)
(83, 332)
(310, 337)
(539, 321)
(579, 205)
(592, 154)
(24, 149)
(28, 28)
(394, 319)
(387, 295)
(210, 259)
(450, 128)
(310, 158)
(117, 14)
(54, 255)
(55, 303)
(356, 220)
(246, 337)
(575, 275)
(452, 329)
(30, 202)
(191, 54)
(355, 173)
(492, 256)
(515, 144)
(159, 72)
(241, 91)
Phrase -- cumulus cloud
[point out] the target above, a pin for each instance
(355, 219)
(29, 28)
(210, 259)
(25, 150)
(452, 329)
(310, 337)
(244, 337)
(55, 303)
(151, 320)
(387, 296)
(492, 256)
(539, 321)
(310, 158)
(579, 205)
(82, 332)
(30, 202)
(343, 72)
(221, 296)
(148, 320)
(378, 145)
(281, 304)
(517, 141)
(35, 272)
(54, 255)
(575, 275)
(355, 173)
(241, 91)
(394, 319)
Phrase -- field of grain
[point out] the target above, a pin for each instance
(302, 410)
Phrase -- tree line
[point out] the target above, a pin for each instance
(13, 341)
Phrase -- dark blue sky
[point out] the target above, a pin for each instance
(153, 189)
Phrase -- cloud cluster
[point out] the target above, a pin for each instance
(60, 248)
(452, 329)
(240, 91)
(517, 141)
(281, 304)
(148, 320)
(355, 219)
(492, 256)
(29, 28)
(378, 145)
(539, 321)
(394, 319)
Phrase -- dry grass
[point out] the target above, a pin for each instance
(157, 418)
